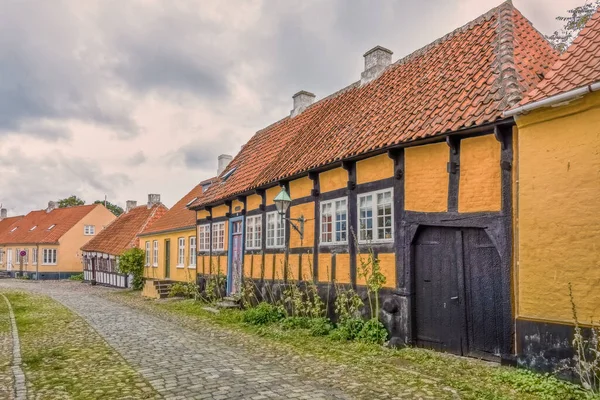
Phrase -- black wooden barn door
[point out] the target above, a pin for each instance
(457, 281)
(439, 314)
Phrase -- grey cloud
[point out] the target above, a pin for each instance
(29, 182)
(136, 159)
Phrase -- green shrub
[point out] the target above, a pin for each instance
(320, 326)
(263, 314)
(349, 328)
(76, 277)
(185, 289)
(131, 262)
(372, 331)
(290, 323)
(544, 386)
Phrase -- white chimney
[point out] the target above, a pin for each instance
(376, 61)
(131, 204)
(153, 199)
(302, 99)
(52, 205)
(223, 162)
(3, 213)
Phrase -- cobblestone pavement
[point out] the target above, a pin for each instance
(180, 363)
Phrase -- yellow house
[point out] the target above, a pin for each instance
(413, 162)
(557, 235)
(170, 246)
(45, 244)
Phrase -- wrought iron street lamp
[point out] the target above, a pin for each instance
(282, 202)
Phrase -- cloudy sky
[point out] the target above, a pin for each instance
(125, 98)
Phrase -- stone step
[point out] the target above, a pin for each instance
(4, 274)
(227, 304)
(211, 310)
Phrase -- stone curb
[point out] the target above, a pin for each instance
(18, 375)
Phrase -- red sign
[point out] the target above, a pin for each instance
(22, 253)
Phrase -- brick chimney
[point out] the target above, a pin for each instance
(52, 205)
(131, 204)
(223, 162)
(302, 99)
(376, 61)
(153, 199)
(3, 213)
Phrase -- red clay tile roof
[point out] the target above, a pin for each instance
(7, 222)
(63, 219)
(122, 233)
(467, 78)
(577, 67)
(179, 216)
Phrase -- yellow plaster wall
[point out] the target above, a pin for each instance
(253, 202)
(183, 274)
(220, 211)
(149, 290)
(307, 267)
(271, 193)
(308, 211)
(559, 211)
(387, 265)
(248, 265)
(426, 178)
(69, 251)
(280, 266)
(342, 268)
(257, 267)
(268, 273)
(294, 267)
(324, 268)
(480, 185)
(301, 188)
(374, 169)
(333, 179)
(237, 206)
(202, 214)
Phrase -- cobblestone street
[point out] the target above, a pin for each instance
(179, 363)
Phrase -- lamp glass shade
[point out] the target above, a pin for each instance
(282, 201)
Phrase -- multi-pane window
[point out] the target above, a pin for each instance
(334, 221)
(155, 254)
(204, 237)
(275, 230)
(18, 257)
(1, 256)
(375, 216)
(147, 253)
(254, 232)
(89, 230)
(34, 256)
(192, 251)
(218, 236)
(181, 252)
(49, 257)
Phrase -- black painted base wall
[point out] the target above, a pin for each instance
(546, 347)
(392, 306)
(44, 275)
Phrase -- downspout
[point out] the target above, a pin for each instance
(37, 262)
(559, 98)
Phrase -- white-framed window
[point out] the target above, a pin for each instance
(89, 230)
(218, 236)
(254, 232)
(376, 216)
(275, 230)
(18, 255)
(34, 256)
(204, 237)
(155, 254)
(49, 257)
(181, 252)
(1, 256)
(192, 251)
(147, 253)
(334, 221)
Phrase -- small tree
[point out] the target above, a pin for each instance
(113, 208)
(131, 262)
(573, 24)
(70, 201)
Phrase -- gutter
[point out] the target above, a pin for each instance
(559, 98)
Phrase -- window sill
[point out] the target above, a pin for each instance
(48, 264)
(191, 266)
(180, 266)
(332, 244)
(379, 241)
(155, 266)
(253, 248)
